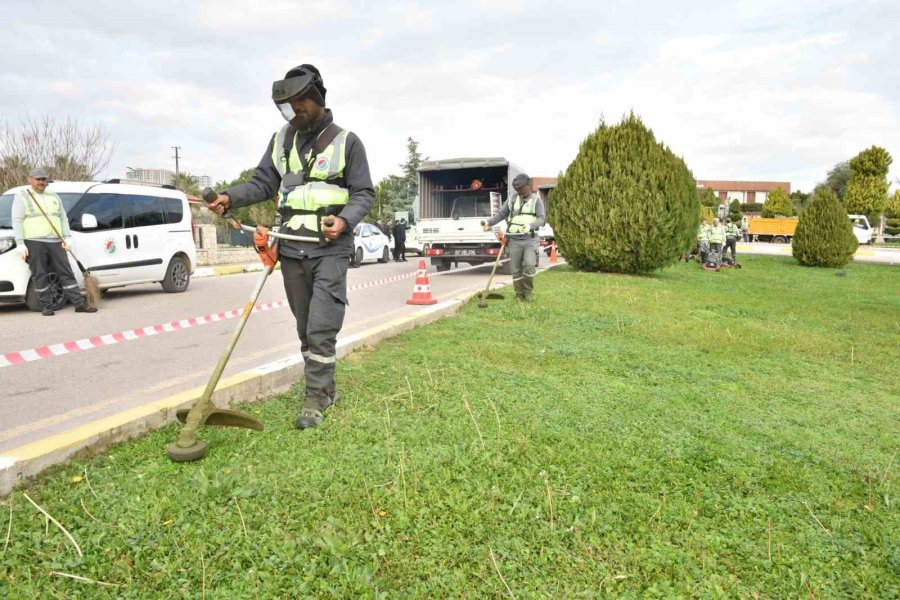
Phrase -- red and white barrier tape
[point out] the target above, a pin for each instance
(25, 356)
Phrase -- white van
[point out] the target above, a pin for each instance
(123, 233)
(861, 228)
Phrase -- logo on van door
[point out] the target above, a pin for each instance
(110, 246)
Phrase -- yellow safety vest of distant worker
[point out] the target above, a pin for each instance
(318, 191)
(522, 215)
(34, 224)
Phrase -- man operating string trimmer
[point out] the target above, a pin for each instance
(321, 174)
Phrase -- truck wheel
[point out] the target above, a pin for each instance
(57, 298)
(442, 266)
(178, 276)
(779, 239)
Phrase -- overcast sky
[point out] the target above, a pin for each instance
(758, 90)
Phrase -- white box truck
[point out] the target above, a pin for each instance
(455, 196)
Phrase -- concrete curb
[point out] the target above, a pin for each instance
(20, 464)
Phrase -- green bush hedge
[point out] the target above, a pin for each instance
(824, 236)
(626, 204)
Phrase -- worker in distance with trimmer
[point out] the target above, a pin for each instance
(321, 174)
(524, 214)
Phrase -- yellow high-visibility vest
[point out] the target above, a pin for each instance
(321, 188)
(35, 225)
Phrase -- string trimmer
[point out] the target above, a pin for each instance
(487, 294)
(188, 447)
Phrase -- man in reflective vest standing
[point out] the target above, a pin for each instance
(524, 214)
(37, 216)
(322, 175)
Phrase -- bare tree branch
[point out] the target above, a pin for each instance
(68, 149)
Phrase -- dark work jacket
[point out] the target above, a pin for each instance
(266, 182)
(400, 232)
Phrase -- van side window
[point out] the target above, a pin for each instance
(144, 211)
(106, 207)
(173, 209)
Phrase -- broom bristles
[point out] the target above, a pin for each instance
(92, 290)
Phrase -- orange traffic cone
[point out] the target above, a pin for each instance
(422, 291)
(553, 257)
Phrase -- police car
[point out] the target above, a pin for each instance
(369, 244)
(123, 233)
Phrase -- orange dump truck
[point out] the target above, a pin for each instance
(779, 230)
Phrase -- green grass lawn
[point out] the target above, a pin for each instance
(727, 434)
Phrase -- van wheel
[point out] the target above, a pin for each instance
(178, 276)
(57, 298)
(384, 255)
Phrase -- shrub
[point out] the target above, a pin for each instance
(868, 186)
(824, 235)
(626, 204)
(778, 204)
(709, 198)
(752, 207)
(734, 211)
(892, 210)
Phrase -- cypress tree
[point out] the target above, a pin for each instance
(868, 187)
(778, 204)
(824, 235)
(626, 204)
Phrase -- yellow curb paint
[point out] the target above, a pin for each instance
(73, 437)
(228, 269)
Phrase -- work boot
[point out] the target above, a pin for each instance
(48, 312)
(85, 308)
(313, 412)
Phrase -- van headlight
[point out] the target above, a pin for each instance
(7, 244)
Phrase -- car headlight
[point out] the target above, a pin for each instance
(7, 244)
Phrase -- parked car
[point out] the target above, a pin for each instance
(369, 244)
(123, 233)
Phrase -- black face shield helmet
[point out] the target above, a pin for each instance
(300, 82)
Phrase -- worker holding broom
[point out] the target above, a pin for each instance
(322, 175)
(524, 214)
(41, 227)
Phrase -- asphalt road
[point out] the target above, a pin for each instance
(51, 395)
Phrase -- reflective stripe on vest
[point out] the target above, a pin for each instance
(34, 225)
(522, 214)
(716, 235)
(319, 191)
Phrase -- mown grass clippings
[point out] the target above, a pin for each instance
(695, 434)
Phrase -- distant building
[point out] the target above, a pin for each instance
(745, 192)
(158, 176)
(205, 181)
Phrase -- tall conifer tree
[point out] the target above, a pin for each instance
(626, 204)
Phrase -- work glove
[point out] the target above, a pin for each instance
(485, 226)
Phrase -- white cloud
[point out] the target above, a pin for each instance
(754, 90)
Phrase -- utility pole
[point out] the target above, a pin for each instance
(177, 148)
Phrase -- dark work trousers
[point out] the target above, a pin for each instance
(317, 293)
(523, 254)
(730, 243)
(399, 249)
(704, 250)
(45, 258)
(715, 256)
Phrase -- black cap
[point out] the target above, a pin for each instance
(520, 180)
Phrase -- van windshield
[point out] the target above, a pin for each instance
(68, 200)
